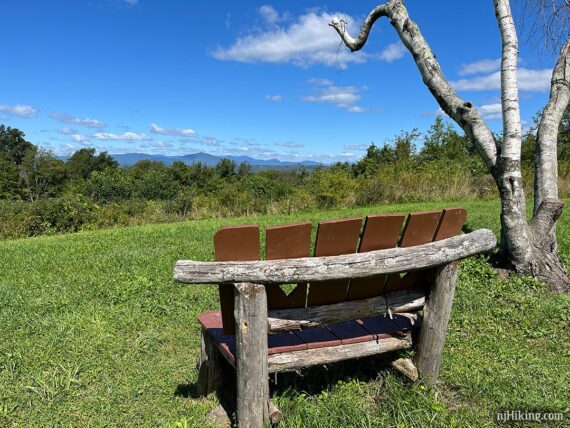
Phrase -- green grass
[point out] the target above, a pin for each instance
(94, 332)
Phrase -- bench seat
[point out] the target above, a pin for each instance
(301, 348)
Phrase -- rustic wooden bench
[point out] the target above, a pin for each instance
(368, 288)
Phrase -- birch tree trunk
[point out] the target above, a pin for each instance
(530, 247)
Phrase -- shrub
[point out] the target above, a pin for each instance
(108, 186)
(181, 204)
(67, 214)
(157, 185)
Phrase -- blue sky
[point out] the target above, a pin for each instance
(265, 79)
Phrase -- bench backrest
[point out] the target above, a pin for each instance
(344, 236)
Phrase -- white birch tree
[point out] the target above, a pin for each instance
(529, 245)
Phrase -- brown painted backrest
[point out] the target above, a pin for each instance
(287, 242)
(334, 238)
(380, 232)
(234, 243)
(422, 228)
(241, 243)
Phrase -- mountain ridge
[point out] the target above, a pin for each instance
(128, 159)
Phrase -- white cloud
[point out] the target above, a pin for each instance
(269, 14)
(335, 95)
(361, 147)
(341, 96)
(20, 110)
(78, 138)
(482, 66)
(290, 144)
(308, 40)
(132, 2)
(69, 120)
(210, 141)
(66, 131)
(392, 52)
(491, 111)
(320, 82)
(125, 136)
(529, 80)
(155, 129)
(245, 142)
(356, 109)
(274, 98)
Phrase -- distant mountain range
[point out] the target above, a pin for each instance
(126, 159)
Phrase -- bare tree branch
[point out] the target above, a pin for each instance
(462, 112)
(545, 22)
(546, 178)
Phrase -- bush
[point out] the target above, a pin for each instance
(67, 214)
(182, 203)
(157, 185)
(332, 187)
(108, 186)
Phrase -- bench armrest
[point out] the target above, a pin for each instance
(356, 265)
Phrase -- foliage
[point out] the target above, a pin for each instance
(84, 161)
(157, 184)
(43, 175)
(13, 145)
(108, 186)
(440, 164)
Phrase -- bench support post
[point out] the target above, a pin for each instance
(251, 359)
(434, 325)
(210, 367)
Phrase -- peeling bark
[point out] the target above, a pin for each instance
(530, 247)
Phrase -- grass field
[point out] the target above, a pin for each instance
(94, 332)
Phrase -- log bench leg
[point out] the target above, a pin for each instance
(210, 367)
(251, 359)
(434, 324)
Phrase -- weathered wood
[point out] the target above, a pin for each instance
(289, 361)
(218, 416)
(251, 358)
(434, 325)
(210, 369)
(275, 415)
(358, 265)
(294, 319)
(406, 367)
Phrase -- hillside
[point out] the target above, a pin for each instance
(95, 332)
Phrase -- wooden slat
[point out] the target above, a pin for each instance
(420, 229)
(318, 337)
(234, 243)
(380, 327)
(350, 332)
(288, 361)
(287, 242)
(451, 223)
(380, 232)
(298, 359)
(333, 238)
(284, 342)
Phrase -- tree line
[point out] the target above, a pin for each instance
(40, 193)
